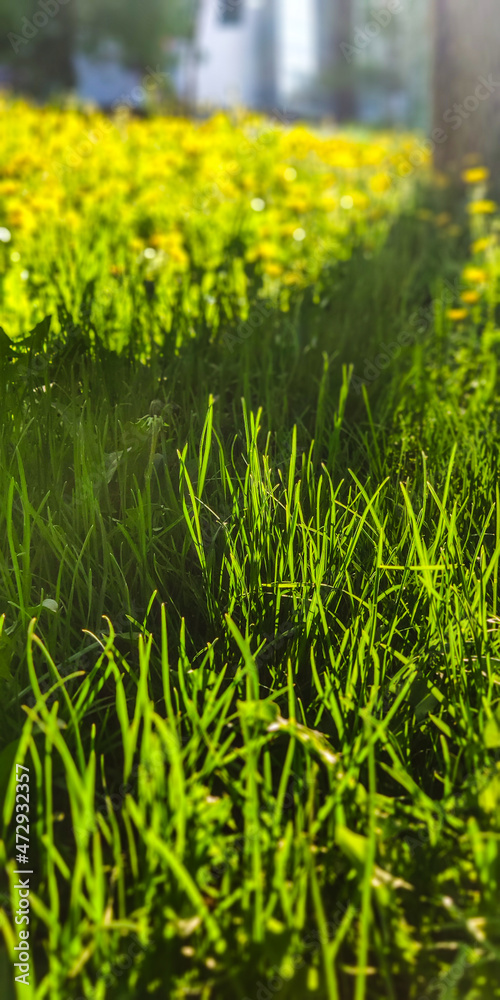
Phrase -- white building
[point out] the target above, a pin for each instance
(271, 54)
(257, 53)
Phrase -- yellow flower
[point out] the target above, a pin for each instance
(479, 245)
(273, 270)
(8, 188)
(360, 199)
(457, 314)
(21, 218)
(476, 275)
(297, 204)
(380, 183)
(470, 297)
(292, 278)
(482, 207)
(267, 250)
(329, 203)
(72, 220)
(476, 175)
(157, 240)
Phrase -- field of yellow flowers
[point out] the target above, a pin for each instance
(208, 214)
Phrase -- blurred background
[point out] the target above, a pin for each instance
(344, 59)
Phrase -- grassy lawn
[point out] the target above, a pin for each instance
(249, 582)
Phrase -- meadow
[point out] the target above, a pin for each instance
(249, 553)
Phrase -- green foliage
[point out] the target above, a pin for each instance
(141, 29)
(39, 38)
(40, 57)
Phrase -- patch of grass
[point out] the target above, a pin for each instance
(272, 768)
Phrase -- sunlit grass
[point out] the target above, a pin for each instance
(250, 645)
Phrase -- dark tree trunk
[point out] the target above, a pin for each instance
(57, 53)
(335, 18)
(467, 83)
(46, 64)
(344, 96)
(266, 44)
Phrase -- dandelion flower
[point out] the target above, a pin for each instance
(292, 278)
(476, 275)
(380, 183)
(480, 245)
(273, 269)
(482, 207)
(476, 175)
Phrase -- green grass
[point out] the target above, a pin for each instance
(262, 716)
